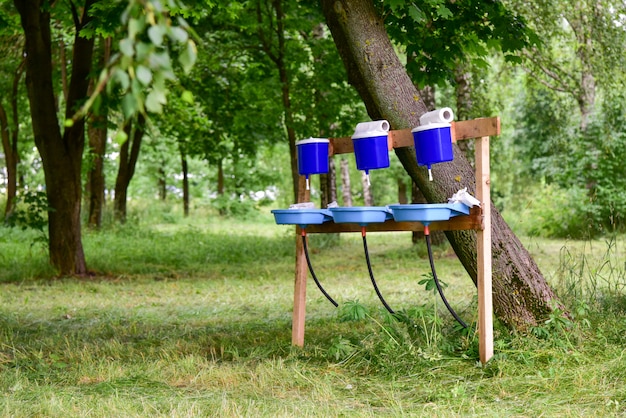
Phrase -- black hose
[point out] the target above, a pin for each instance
(308, 262)
(369, 268)
(432, 267)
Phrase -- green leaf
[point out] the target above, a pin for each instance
(135, 26)
(121, 137)
(127, 48)
(144, 75)
(178, 34)
(156, 33)
(187, 97)
(122, 78)
(155, 101)
(144, 49)
(444, 12)
(188, 58)
(129, 105)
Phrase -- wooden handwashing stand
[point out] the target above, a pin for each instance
(479, 219)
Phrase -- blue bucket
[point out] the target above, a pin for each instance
(433, 144)
(371, 148)
(371, 153)
(312, 156)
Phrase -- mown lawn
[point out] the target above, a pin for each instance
(193, 318)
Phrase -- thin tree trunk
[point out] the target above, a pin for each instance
(220, 178)
(97, 132)
(368, 199)
(277, 56)
(129, 154)
(346, 193)
(328, 183)
(162, 184)
(185, 168)
(10, 137)
(521, 295)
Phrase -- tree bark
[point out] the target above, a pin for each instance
(129, 154)
(521, 295)
(162, 184)
(277, 56)
(61, 154)
(368, 199)
(185, 167)
(97, 133)
(346, 193)
(10, 136)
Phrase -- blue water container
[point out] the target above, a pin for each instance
(312, 157)
(371, 147)
(433, 143)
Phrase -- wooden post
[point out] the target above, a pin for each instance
(299, 294)
(485, 303)
(299, 291)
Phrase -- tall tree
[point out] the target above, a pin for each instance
(129, 154)
(144, 54)
(521, 295)
(61, 152)
(97, 132)
(582, 47)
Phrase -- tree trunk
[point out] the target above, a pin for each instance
(220, 178)
(328, 185)
(97, 132)
(521, 295)
(162, 184)
(463, 92)
(10, 136)
(346, 193)
(185, 167)
(61, 154)
(368, 199)
(129, 154)
(277, 56)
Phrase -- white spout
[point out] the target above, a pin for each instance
(443, 115)
(370, 129)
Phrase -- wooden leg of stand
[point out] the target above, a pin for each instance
(485, 302)
(299, 295)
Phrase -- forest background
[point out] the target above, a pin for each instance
(219, 138)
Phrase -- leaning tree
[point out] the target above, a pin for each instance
(521, 295)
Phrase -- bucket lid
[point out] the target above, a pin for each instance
(371, 129)
(431, 126)
(313, 141)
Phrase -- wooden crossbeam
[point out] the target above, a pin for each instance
(461, 130)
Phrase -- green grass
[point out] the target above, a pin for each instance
(193, 318)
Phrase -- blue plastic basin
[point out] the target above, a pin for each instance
(428, 212)
(302, 217)
(361, 215)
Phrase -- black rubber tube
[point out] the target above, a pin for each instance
(317, 282)
(432, 267)
(369, 268)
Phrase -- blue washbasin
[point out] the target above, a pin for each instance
(428, 212)
(302, 217)
(362, 215)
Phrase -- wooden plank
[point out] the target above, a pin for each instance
(461, 130)
(483, 249)
(401, 138)
(472, 221)
(476, 128)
